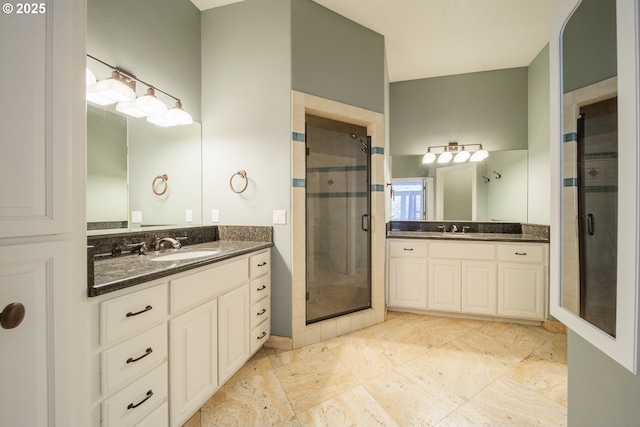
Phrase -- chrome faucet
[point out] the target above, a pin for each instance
(465, 228)
(454, 228)
(158, 244)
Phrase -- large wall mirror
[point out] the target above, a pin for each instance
(492, 190)
(593, 263)
(135, 166)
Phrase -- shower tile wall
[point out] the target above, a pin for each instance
(570, 266)
(374, 122)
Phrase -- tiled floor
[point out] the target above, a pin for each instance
(412, 370)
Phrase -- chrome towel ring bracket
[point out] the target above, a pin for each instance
(238, 185)
(159, 185)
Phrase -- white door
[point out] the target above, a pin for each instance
(521, 291)
(444, 285)
(479, 287)
(42, 213)
(233, 331)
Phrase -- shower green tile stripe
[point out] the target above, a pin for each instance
(570, 137)
(298, 182)
(570, 182)
(338, 169)
(377, 150)
(377, 187)
(297, 136)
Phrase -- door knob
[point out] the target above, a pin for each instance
(12, 315)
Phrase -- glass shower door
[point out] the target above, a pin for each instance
(337, 219)
(597, 209)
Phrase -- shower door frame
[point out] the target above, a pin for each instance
(362, 226)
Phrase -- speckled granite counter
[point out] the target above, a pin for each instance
(493, 237)
(110, 273)
(477, 231)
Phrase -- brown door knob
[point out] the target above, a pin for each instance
(12, 315)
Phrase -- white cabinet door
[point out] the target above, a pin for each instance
(479, 287)
(521, 291)
(444, 285)
(193, 360)
(408, 283)
(234, 330)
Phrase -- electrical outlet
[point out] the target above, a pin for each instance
(188, 215)
(136, 217)
(215, 215)
(279, 217)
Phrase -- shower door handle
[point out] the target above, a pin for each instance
(591, 226)
(364, 222)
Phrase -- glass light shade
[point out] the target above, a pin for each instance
(479, 155)
(445, 157)
(179, 116)
(163, 120)
(462, 156)
(91, 78)
(429, 157)
(110, 91)
(146, 105)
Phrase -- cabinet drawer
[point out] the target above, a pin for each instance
(259, 264)
(408, 248)
(199, 287)
(462, 250)
(260, 335)
(132, 312)
(260, 312)
(522, 253)
(158, 418)
(132, 403)
(260, 288)
(133, 357)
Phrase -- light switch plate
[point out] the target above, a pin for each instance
(136, 217)
(215, 215)
(279, 217)
(188, 215)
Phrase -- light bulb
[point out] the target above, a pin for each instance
(462, 156)
(445, 157)
(429, 157)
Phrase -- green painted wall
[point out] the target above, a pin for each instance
(335, 58)
(589, 44)
(488, 107)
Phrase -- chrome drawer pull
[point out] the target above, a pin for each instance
(147, 308)
(408, 249)
(149, 394)
(264, 334)
(262, 264)
(264, 310)
(147, 352)
(520, 253)
(262, 288)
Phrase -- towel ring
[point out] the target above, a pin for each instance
(164, 178)
(243, 175)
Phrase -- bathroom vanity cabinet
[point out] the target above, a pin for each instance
(479, 278)
(163, 348)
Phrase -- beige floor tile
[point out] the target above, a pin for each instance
(355, 407)
(462, 367)
(258, 400)
(449, 328)
(281, 357)
(364, 358)
(526, 338)
(506, 403)
(412, 397)
(194, 421)
(545, 371)
(312, 380)
(258, 364)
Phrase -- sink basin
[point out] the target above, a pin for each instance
(179, 256)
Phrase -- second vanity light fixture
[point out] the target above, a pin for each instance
(120, 88)
(461, 154)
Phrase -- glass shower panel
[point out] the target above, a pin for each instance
(597, 209)
(337, 219)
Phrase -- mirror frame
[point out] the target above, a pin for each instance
(623, 348)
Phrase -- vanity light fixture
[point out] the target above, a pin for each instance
(461, 154)
(147, 105)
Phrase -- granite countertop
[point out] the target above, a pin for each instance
(469, 236)
(113, 273)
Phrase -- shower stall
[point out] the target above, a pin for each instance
(338, 279)
(597, 154)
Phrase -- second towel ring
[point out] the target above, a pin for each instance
(243, 175)
(164, 178)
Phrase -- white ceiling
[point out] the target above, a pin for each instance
(429, 38)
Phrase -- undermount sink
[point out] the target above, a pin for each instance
(179, 256)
